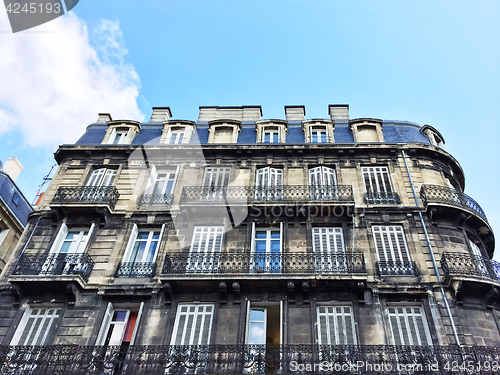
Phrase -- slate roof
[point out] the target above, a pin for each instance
(150, 133)
(7, 191)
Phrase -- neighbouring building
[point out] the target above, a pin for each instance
(236, 244)
(14, 209)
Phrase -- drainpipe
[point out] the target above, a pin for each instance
(440, 281)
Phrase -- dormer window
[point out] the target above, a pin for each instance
(318, 131)
(177, 132)
(224, 131)
(121, 132)
(271, 135)
(434, 136)
(271, 131)
(367, 130)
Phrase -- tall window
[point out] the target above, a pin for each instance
(65, 254)
(37, 326)
(193, 324)
(409, 326)
(336, 325)
(328, 248)
(102, 177)
(264, 324)
(206, 247)
(392, 251)
(269, 184)
(119, 326)
(322, 183)
(118, 136)
(478, 259)
(160, 187)
(215, 182)
(266, 249)
(319, 134)
(271, 134)
(175, 136)
(140, 255)
(378, 185)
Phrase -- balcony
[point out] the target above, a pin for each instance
(290, 194)
(382, 198)
(470, 266)
(259, 263)
(54, 265)
(94, 195)
(246, 359)
(132, 269)
(397, 269)
(163, 200)
(451, 197)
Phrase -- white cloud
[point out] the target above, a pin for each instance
(53, 82)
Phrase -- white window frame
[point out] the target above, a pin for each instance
(479, 258)
(329, 249)
(102, 177)
(390, 244)
(3, 234)
(215, 183)
(176, 136)
(206, 248)
(187, 317)
(149, 241)
(107, 323)
(42, 333)
(408, 317)
(272, 130)
(262, 307)
(269, 184)
(122, 133)
(271, 264)
(377, 182)
(153, 181)
(336, 325)
(322, 183)
(318, 130)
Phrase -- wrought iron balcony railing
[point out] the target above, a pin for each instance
(452, 197)
(133, 269)
(87, 194)
(260, 263)
(54, 264)
(289, 194)
(397, 269)
(382, 198)
(460, 264)
(156, 200)
(248, 359)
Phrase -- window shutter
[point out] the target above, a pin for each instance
(131, 243)
(61, 235)
(315, 176)
(336, 325)
(408, 326)
(112, 136)
(159, 242)
(168, 137)
(105, 324)
(262, 178)
(390, 243)
(152, 180)
(329, 176)
(207, 180)
(277, 179)
(136, 326)
(193, 325)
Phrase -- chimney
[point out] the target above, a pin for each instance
(12, 167)
(160, 114)
(104, 117)
(339, 112)
(295, 112)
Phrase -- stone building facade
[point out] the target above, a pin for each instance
(235, 244)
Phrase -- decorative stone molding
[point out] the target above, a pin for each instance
(270, 125)
(310, 126)
(224, 131)
(367, 130)
(171, 127)
(114, 127)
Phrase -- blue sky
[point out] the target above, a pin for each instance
(429, 62)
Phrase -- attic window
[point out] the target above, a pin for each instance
(118, 136)
(121, 132)
(223, 135)
(367, 130)
(15, 198)
(224, 131)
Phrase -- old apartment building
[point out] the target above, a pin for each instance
(237, 244)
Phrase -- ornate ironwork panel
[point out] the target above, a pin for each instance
(452, 197)
(248, 263)
(248, 359)
(132, 269)
(87, 194)
(54, 264)
(462, 264)
(382, 198)
(397, 269)
(156, 200)
(288, 194)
